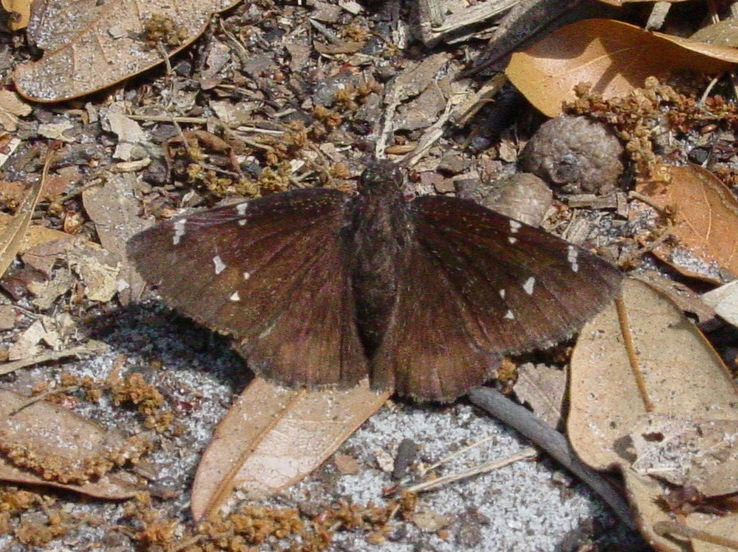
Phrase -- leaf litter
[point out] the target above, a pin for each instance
(150, 516)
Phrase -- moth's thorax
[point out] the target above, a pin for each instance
(378, 247)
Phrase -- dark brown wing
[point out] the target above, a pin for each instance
(428, 353)
(498, 286)
(270, 272)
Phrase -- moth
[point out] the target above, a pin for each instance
(424, 297)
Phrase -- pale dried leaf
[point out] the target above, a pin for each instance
(98, 269)
(543, 388)
(430, 521)
(726, 527)
(680, 294)
(91, 45)
(725, 301)
(346, 464)
(129, 133)
(52, 432)
(688, 452)
(272, 437)
(644, 494)
(114, 210)
(682, 374)
(27, 343)
(55, 131)
(612, 56)
(12, 107)
(7, 317)
(724, 33)
(416, 78)
(47, 292)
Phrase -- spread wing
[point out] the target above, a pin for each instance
(270, 272)
(481, 285)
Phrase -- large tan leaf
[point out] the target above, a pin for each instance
(61, 443)
(91, 45)
(671, 371)
(706, 216)
(612, 56)
(273, 436)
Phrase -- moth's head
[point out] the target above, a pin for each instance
(380, 177)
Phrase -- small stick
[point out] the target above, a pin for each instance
(88, 348)
(630, 348)
(554, 443)
(525, 454)
(674, 528)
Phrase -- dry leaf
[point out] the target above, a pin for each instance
(129, 134)
(272, 437)
(724, 33)
(114, 210)
(725, 301)
(612, 56)
(680, 294)
(63, 442)
(8, 317)
(430, 521)
(12, 236)
(20, 12)
(705, 222)
(12, 107)
(688, 452)
(98, 269)
(682, 377)
(36, 235)
(26, 344)
(543, 388)
(91, 45)
(726, 527)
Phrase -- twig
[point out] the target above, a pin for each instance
(674, 528)
(554, 443)
(630, 348)
(525, 454)
(90, 347)
(169, 119)
(41, 397)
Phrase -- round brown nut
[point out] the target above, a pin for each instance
(576, 154)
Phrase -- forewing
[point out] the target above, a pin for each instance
(270, 272)
(520, 286)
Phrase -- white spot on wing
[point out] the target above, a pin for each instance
(512, 240)
(179, 230)
(235, 297)
(246, 275)
(219, 264)
(529, 284)
(571, 256)
(509, 315)
(514, 226)
(502, 293)
(241, 210)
